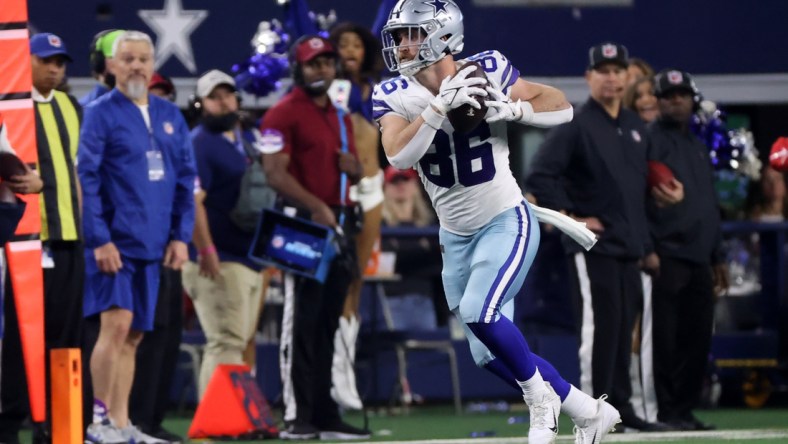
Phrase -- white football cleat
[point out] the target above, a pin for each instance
(592, 430)
(544, 418)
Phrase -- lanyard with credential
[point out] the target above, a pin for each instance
(343, 175)
(239, 143)
(155, 157)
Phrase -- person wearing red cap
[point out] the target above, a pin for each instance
(303, 137)
(162, 86)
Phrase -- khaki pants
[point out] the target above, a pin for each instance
(227, 308)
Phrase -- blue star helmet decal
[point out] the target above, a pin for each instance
(437, 5)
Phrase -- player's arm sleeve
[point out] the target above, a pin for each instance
(183, 204)
(404, 142)
(541, 105)
(93, 139)
(550, 164)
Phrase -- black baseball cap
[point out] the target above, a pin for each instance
(672, 80)
(608, 52)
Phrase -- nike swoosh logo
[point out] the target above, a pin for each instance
(554, 428)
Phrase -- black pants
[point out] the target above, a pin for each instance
(14, 406)
(63, 293)
(157, 355)
(612, 289)
(683, 313)
(308, 338)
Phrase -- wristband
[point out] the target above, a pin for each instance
(432, 117)
(210, 249)
(526, 110)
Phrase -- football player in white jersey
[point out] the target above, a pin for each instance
(489, 233)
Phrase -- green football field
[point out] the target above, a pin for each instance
(438, 424)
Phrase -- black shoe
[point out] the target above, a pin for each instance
(41, 434)
(633, 422)
(7, 437)
(165, 435)
(343, 432)
(296, 431)
(694, 423)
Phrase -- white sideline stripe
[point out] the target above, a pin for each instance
(585, 352)
(711, 436)
(8, 105)
(24, 245)
(13, 34)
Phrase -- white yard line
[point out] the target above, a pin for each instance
(713, 436)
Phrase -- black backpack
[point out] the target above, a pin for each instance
(255, 193)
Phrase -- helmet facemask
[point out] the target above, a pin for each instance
(436, 26)
(434, 44)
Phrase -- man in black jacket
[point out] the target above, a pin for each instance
(594, 169)
(686, 240)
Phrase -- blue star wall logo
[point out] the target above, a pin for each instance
(173, 27)
(438, 6)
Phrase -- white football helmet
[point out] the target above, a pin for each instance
(439, 22)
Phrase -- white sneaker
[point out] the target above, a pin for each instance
(592, 430)
(133, 435)
(544, 418)
(104, 432)
(343, 375)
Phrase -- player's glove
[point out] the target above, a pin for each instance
(501, 107)
(457, 91)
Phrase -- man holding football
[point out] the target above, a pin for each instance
(480, 206)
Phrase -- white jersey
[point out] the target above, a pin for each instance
(467, 176)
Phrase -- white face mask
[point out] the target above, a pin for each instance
(136, 89)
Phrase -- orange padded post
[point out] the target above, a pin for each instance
(66, 374)
(24, 257)
(27, 279)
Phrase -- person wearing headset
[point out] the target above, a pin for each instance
(304, 162)
(687, 249)
(100, 55)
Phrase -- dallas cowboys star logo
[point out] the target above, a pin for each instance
(173, 27)
(438, 6)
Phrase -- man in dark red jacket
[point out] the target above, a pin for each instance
(303, 136)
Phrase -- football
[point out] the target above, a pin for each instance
(6, 195)
(778, 156)
(658, 173)
(10, 165)
(466, 118)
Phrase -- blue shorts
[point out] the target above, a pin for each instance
(483, 272)
(135, 288)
